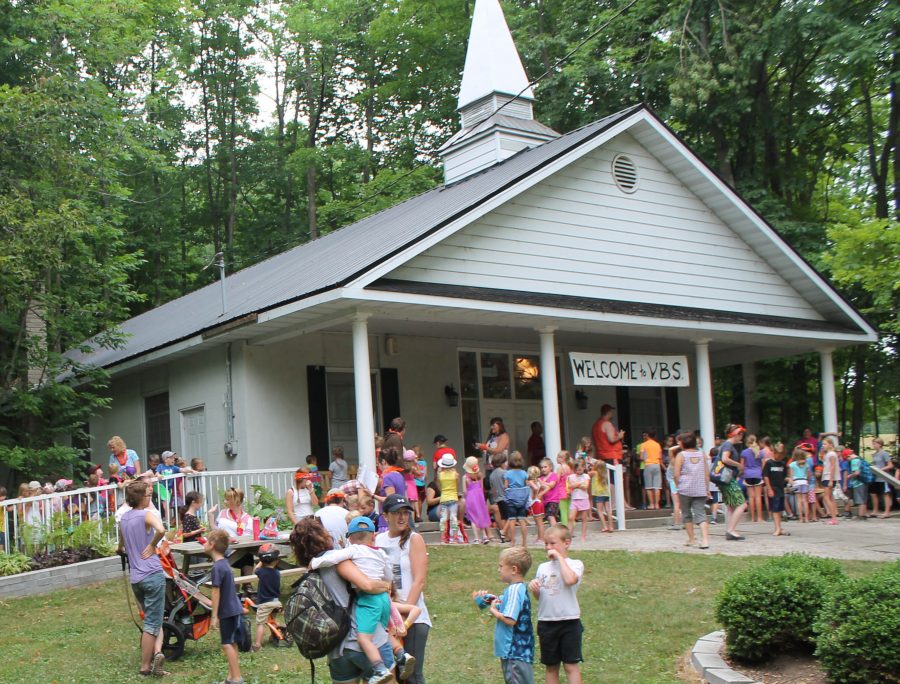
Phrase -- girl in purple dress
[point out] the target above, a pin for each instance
(476, 506)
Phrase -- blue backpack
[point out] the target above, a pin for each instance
(865, 471)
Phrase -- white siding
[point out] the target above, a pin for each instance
(198, 380)
(271, 405)
(576, 233)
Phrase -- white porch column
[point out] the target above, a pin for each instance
(829, 406)
(362, 385)
(705, 395)
(550, 394)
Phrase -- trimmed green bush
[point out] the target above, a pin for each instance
(858, 628)
(771, 607)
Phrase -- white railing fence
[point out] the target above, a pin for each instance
(618, 493)
(88, 515)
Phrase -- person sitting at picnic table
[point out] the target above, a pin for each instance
(300, 501)
(237, 523)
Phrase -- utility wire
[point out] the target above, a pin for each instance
(275, 249)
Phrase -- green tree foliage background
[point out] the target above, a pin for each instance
(140, 137)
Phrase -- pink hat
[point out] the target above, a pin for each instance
(409, 455)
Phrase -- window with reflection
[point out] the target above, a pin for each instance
(468, 375)
(528, 377)
(495, 376)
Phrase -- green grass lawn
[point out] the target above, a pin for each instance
(640, 611)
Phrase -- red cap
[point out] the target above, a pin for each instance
(847, 452)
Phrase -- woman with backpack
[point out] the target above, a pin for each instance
(346, 662)
(732, 496)
(408, 557)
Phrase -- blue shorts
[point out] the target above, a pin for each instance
(151, 595)
(516, 511)
(372, 610)
(352, 665)
(776, 504)
(230, 629)
(600, 499)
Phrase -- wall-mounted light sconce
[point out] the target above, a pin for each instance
(452, 395)
(391, 346)
(581, 399)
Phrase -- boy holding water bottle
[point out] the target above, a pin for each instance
(513, 633)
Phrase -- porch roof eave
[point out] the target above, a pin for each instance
(418, 314)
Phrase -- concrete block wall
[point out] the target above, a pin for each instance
(62, 577)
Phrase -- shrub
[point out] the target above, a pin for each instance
(52, 559)
(857, 629)
(14, 563)
(772, 606)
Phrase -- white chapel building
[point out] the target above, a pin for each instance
(548, 275)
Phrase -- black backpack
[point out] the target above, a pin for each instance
(314, 620)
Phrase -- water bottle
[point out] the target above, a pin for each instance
(483, 601)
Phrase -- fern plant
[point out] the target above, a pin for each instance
(14, 563)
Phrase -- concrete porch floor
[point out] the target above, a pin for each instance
(872, 539)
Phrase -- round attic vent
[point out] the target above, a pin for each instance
(625, 173)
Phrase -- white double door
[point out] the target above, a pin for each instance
(517, 415)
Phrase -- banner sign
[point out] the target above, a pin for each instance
(629, 370)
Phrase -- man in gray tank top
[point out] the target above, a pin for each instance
(140, 530)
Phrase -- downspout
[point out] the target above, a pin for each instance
(230, 445)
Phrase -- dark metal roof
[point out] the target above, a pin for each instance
(337, 258)
(514, 123)
(611, 306)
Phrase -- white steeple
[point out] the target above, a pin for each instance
(492, 61)
(497, 121)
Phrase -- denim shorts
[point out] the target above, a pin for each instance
(352, 665)
(151, 595)
(516, 511)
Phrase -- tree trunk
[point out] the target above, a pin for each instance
(311, 201)
(859, 397)
(845, 393)
(875, 402)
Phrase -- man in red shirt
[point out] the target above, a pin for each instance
(608, 445)
(607, 439)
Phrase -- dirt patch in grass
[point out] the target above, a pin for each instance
(787, 668)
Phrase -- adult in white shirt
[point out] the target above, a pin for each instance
(409, 560)
(333, 516)
(300, 500)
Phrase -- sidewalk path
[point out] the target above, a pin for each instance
(871, 539)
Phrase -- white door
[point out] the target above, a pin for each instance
(517, 418)
(341, 394)
(193, 433)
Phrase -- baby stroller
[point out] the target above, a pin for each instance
(188, 611)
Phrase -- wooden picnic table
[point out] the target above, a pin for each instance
(191, 549)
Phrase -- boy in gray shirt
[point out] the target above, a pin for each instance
(498, 508)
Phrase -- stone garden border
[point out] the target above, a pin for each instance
(709, 664)
(36, 582)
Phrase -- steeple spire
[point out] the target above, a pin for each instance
(497, 121)
(492, 61)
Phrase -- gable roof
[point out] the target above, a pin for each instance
(334, 259)
(354, 253)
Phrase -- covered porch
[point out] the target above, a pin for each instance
(459, 355)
